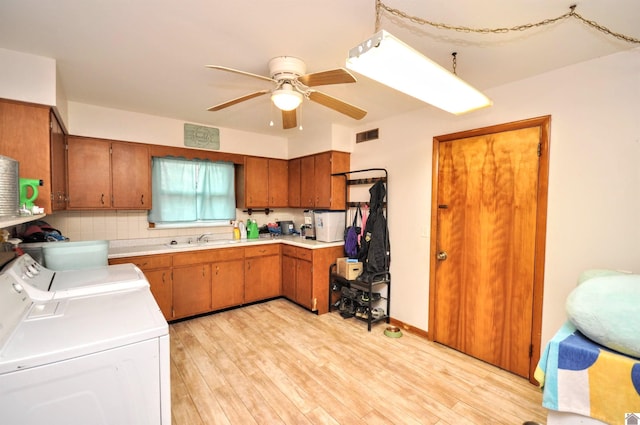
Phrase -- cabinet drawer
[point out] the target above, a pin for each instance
(257, 251)
(225, 254)
(289, 250)
(304, 253)
(297, 252)
(145, 262)
(207, 256)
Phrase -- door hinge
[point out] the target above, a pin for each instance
(539, 149)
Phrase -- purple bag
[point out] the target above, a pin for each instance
(352, 236)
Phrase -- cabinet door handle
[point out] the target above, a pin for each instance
(102, 199)
(142, 199)
(163, 273)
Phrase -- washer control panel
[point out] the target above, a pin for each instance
(32, 276)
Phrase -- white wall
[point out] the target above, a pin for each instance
(28, 78)
(594, 177)
(97, 121)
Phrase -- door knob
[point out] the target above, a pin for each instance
(442, 255)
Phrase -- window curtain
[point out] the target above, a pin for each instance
(191, 190)
(215, 195)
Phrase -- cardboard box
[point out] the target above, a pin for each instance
(349, 270)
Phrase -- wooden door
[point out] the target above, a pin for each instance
(191, 290)
(294, 183)
(227, 283)
(89, 173)
(322, 180)
(161, 289)
(131, 176)
(58, 165)
(288, 274)
(304, 283)
(307, 182)
(262, 272)
(262, 278)
(24, 136)
(256, 182)
(278, 183)
(488, 223)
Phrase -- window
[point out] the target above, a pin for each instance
(191, 192)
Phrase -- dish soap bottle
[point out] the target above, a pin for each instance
(236, 231)
(243, 230)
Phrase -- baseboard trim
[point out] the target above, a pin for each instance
(409, 328)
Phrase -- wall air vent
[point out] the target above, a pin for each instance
(365, 136)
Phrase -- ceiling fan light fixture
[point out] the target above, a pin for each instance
(286, 98)
(388, 60)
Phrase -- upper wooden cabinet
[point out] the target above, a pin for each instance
(318, 189)
(58, 165)
(130, 176)
(294, 183)
(262, 183)
(30, 134)
(278, 183)
(105, 174)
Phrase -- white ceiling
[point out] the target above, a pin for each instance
(149, 56)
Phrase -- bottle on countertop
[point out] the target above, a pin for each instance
(236, 231)
(243, 230)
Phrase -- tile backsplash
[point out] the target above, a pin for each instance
(118, 225)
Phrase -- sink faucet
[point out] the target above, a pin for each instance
(202, 236)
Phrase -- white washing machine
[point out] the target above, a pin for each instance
(89, 357)
(44, 284)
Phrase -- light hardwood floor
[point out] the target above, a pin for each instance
(276, 363)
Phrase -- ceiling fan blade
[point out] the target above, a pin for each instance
(237, 71)
(333, 76)
(289, 119)
(238, 100)
(337, 105)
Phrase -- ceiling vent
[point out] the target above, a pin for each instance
(365, 136)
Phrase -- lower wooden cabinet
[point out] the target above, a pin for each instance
(191, 290)
(227, 278)
(297, 276)
(162, 290)
(262, 273)
(190, 283)
(305, 275)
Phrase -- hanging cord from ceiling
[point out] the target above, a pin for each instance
(380, 7)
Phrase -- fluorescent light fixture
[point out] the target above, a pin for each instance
(286, 98)
(388, 60)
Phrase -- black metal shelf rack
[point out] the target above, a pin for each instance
(359, 298)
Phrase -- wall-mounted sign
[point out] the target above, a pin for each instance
(198, 136)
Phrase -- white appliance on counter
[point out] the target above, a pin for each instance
(77, 354)
(330, 225)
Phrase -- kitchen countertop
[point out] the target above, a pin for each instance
(120, 249)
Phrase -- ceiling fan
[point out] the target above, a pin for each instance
(293, 85)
